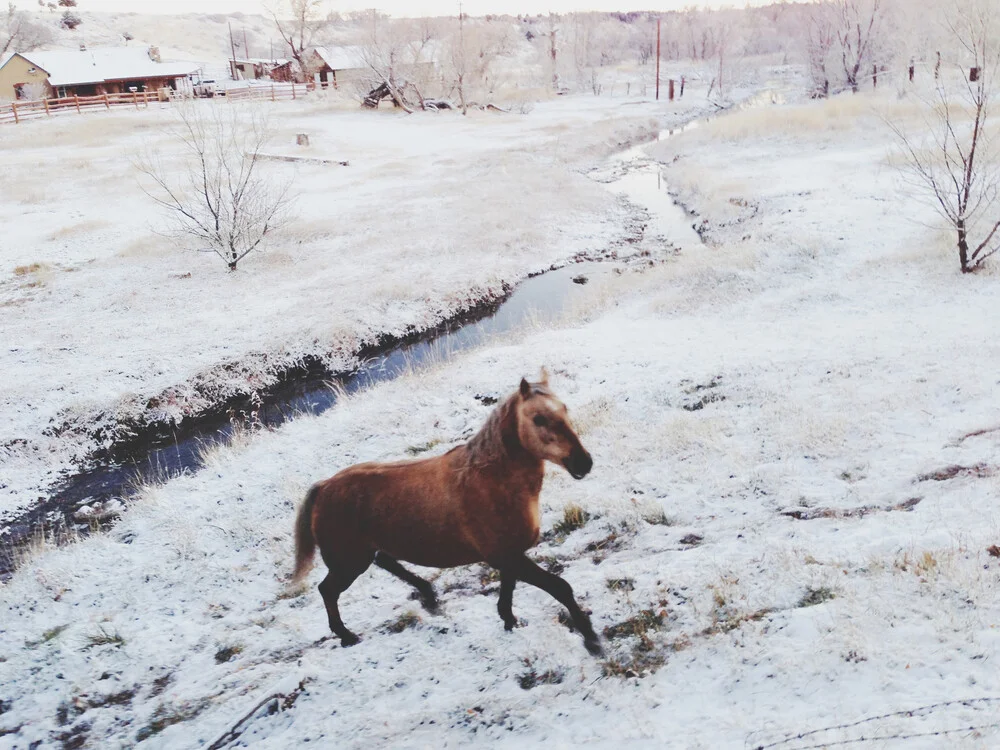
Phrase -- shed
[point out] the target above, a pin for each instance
(335, 66)
(255, 68)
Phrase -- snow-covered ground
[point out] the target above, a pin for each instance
(771, 521)
(111, 326)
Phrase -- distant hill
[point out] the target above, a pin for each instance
(201, 37)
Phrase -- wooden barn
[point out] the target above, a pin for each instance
(336, 66)
(90, 72)
(255, 68)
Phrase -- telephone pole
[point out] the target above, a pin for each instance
(657, 59)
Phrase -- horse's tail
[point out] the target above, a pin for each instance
(305, 543)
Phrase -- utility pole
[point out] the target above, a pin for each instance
(657, 59)
(552, 51)
(246, 47)
(232, 47)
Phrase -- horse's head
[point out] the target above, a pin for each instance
(545, 431)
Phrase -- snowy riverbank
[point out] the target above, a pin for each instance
(773, 518)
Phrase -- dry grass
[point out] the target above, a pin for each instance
(32, 269)
(74, 230)
(147, 246)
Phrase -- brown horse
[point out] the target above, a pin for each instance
(477, 502)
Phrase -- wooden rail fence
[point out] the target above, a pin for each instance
(21, 111)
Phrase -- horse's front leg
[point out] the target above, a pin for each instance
(508, 579)
(527, 571)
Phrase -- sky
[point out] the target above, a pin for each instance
(403, 7)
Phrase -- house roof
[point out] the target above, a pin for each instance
(72, 67)
(342, 58)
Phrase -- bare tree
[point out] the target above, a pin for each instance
(960, 167)
(18, 33)
(819, 43)
(859, 25)
(472, 51)
(216, 194)
(299, 23)
(386, 52)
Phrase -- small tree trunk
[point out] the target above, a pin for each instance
(963, 245)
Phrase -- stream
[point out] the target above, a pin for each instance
(93, 496)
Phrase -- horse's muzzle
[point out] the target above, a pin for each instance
(578, 464)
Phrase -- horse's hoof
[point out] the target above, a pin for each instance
(431, 606)
(349, 640)
(594, 647)
(517, 622)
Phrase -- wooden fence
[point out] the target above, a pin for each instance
(21, 111)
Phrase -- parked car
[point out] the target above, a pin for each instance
(208, 88)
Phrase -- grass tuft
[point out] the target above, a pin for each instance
(405, 621)
(812, 597)
(621, 584)
(227, 653)
(103, 638)
(574, 517)
(48, 635)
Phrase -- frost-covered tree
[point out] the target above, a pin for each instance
(70, 20)
(859, 33)
(299, 23)
(955, 154)
(18, 33)
(821, 36)
(216, 195)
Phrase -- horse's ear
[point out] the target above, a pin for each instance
(543, 376)
(525, 389)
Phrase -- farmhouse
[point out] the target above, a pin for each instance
(83, 72)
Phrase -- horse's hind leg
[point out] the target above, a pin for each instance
(426, 590)
(505, 604)
(561, 591)
(337, 581)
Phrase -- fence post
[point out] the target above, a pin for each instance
(272, 92)
(135, 99)
(107, 103)
(670, 89)
(13, 107)
(46, 103)
(683, 81)
(76, 100)
(293, 90)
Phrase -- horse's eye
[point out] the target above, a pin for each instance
(540, 420)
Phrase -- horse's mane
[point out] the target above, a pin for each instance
(487, 446)
(490, 444)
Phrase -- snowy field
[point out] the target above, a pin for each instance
(111, 326)
(787, 524)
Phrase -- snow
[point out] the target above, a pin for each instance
(415, 230)
(71, 67)
(820, 351)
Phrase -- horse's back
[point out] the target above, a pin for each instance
(408, 509)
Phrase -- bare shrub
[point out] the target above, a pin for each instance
(218, 196)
